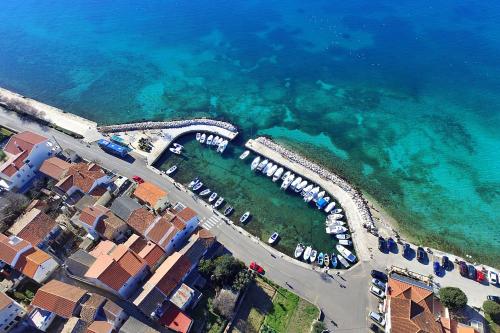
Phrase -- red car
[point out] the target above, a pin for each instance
(480, 276)
(257, 268)
(138, 179)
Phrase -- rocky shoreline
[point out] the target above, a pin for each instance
(166, 124)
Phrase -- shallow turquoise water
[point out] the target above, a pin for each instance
(400, 97)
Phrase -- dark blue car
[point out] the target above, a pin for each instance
(381, 244)
(445, 262)
(472, 272)
(421, 255)
(436, 267)
(390, 244)
(406, 250)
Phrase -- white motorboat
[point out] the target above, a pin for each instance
(262, 164)
(345, 242)
(346, 253)
(178, 146)
(298, 250)
(218, 202)
(314, 255)
(299, 187)
(267, 167)
(274, 237)
(255, 163)
(175, 150)
(194, 182)
(197, 186)
(343, 236)
(215, 141)
(307, 253)
(308, 197)
(222, 146)
(198, 136)
(212, 197)
(210, 139)
(244, 217)
(335, 216)
(335, 229)
(228, 211)
(245, 154)
(221, 141)
(205, 192)
(287, 182)
(332, 223)
(337, 211)
(330, 206)
(271, 171)
(343, 261)
(307, 189)
(285, 176)
(202, 138)
(319, 196)
(296, 182)
(171, 170)
(278, 174)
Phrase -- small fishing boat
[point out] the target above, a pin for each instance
(335, 229)
(307, 189)
(198, 136)
(271, 171)
(337, 211)
(205, 192)
(333, 260)
(314, 255)
(171, 170)
(307, 253)
(267, 167)
(327, 260)
(202, 138)
(299, 187)
(215, 141)
(343, 236)
(262, 164)
(245, 154)
(345, 242)
(274, 237)
(218, 202)
(287, 182)
(210, 139)
(295, 183)
(255, 163)
(278, 174)
(308, 197)
(321, 259)
(321, 203)
(298, 250)
(228, 210)
(194, 182)
(335, 217)
(343, 261)
(319, 196)
(244, 217)
(175, 150)
(346, 253)
(178, 146)
(197, 186)
(285, 176)
(222, 146)
(213, 196)
(332, 223)
(330, 206)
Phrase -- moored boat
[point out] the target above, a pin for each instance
(337, 211)
(343, 236)
(272, 170)
(218, 202)
(319, 196)
(307, 253)
(332, 223)
(288, 181)
(321, 258)
(215, 141)
(274, 237)
(333, 259)
(222, 146)
(228, 210)
(255, 163)
(311, 194)
(327, 260)
(285, 176)
(343, 261)
(210, 139)
(346, 253)
(307, 189)
(202, 138)
(335, 229)
(205, 192)
(197, 186)
(213, 196)
(296, 182)
(314, 255)
(178, 146)
(321, 203)
(262, 164)
(278, 174)
(345, 242)
(299, 249)
(267, 167)
(299, 187)
(171, 170)
(330, 206)
(245, 154)
(194, 182)
(244, 217)
(198, 136)
(175, 150)
(335, 217)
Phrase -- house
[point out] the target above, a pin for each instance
(11, 312)
(147, 250)
(41, 319)
(183, 297)
(132, 325)
(140, 220)
(114, 314)
(54, 168)
(100, 327)
(82, 178)
(149, 194)
(175, 319)
(91, 307)
(99, 221)
(37, 228)
(11, 249)
(119, 272)
(60, 298)
(74, 325)
(123, 207)
(79, 263)
(36, 264)
(26, 152)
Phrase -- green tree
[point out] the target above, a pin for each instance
(492, 309)
(226, 269)
(242, 280)
(206, 267)
(318, 327)
(453, 298)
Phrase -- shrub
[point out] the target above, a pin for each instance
(453, 298)
(492, 309)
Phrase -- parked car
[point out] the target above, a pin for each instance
(406, 249)
(464, 271)
(377, 317)
(445, 262)
(493, 298)
(390, 244)
(472, 272)
(138, 179)
(421, 255)
(378, 283)
(255, 267)
(379, 275)
(381, 243)
(480, 276)
(436, 267)
(375, 328)
(493, 278)
(377, 292)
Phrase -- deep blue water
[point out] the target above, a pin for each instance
(400, 97)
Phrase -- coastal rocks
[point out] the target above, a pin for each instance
(361, 203)
(167, 124)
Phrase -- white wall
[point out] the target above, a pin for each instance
(45, 270)
(8, 315)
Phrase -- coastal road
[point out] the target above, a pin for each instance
(344, 299)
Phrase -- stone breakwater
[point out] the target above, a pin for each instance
(358, 199)
(167, 124)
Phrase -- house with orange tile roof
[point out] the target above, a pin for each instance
(25, 152)
(149, 194)
(37, 228)
(117, 269)
(140, 219)
(60, 298)
(54, 168)
(147, 250)
(11, 249)
(100, 326)
(175, 319)
(82, 177)
(100, 222)
(11, 312)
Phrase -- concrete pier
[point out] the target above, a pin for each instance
(354, 206)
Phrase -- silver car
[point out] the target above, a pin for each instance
(378, 283)
(377, 317)
(377, 292)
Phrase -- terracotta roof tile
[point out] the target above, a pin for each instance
(35, 226)
(5, 300)
(54, 167)
(175, 319)
(147, 250)
(161, 232)
(14, 163)
(171, 273)
(187, 214)
(91, 307)
(140, 219)
(30, 261)
(10, 247)
(149, 193)
(103, 247)
(24, 141)
(90, 213)
(58, 297)
(109, 225)
(109, 272)
(130, 261)
(100, 327)
(82, 176)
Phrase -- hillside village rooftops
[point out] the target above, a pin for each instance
(24, 141)
(33, 226)
(90, 213)
(141, 219)
(31, 260)
(54, 167)
(58, 297)
(82, 176)
(147, 250)
(10, 247)
(109, 224)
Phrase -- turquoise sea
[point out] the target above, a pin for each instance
(400, 97)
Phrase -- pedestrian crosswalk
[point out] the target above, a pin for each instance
(211, 222)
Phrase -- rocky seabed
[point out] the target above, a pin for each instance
(167, 124)
(325, 174)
